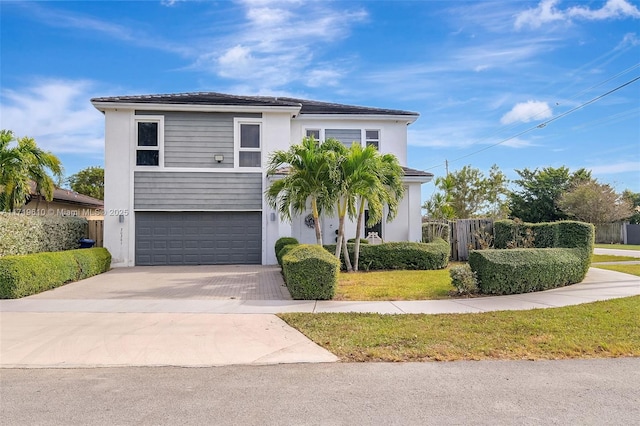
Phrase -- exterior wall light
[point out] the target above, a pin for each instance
(219, 158)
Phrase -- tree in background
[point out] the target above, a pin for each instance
(595, 202)
(89, 181)
(469, 193)
(537, 200)
(23, 164)
(634, 199)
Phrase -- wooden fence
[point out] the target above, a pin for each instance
(469, 234)
(96, 231)
(609, 233)
(464, 235)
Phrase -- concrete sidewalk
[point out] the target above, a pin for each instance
(599, 284)
(41, 332)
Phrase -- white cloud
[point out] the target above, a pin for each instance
(611, 10)
(622, 167)
(517, 143)
(526, 112)
(57, 114)
(547, 12)
(278, 43)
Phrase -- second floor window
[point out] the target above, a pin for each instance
(148, 143)
(249, 152)
(372, 137)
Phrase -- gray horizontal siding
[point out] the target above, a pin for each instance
(197, 191)
(191, 139)
(346, 136)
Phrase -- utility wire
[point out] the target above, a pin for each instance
(544, 123)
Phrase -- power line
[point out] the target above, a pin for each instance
(544, 123)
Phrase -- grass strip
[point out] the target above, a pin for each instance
(609, 258)
(595, 330)
(619, 246)
(626, 269)
(394, 285)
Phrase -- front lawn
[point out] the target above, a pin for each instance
(394, 285)
(595, 330)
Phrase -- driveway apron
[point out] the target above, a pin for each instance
(152, 316)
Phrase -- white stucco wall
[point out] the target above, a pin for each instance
(276, 135)
(118, 187)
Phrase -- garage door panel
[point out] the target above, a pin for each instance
(192, 238)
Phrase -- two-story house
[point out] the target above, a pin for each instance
(185, 174)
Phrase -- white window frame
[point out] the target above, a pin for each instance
(237, 124)
(314, 129)
(367, 140)
(160, 148)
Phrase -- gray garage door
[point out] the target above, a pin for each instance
(198, 238)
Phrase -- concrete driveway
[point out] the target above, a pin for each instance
(69, 327)
(201, 282)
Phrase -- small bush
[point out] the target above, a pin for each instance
(21, 234)
(284, 250)
(24, 275)
(464, 279)
(310, 272)
(402, 255)
(284, 241)
(525, 270)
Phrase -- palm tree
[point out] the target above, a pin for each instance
(312, 175)
(22, 164)
(357, 175)
(378, 185)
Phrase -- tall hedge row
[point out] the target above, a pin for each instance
(28, 274)
(561, 257)
(21, 234)
(401, 255)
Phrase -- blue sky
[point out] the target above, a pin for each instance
(485, 76)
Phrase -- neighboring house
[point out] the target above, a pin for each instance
(65, 202)
(185, 174)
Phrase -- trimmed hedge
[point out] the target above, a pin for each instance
(567, 234)
(284, 250)
(561, 257)
(284, 241)
(526, 270)
(28, 274)
(402, 255)
(21, 234)
(310, 272)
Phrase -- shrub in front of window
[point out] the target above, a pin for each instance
(310, 272)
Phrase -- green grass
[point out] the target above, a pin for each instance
(394, 285)
(627, 269)
(618, 246)
(610, 258)
(595, 330)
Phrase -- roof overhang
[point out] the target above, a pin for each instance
(361, 117)
(104, 106)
